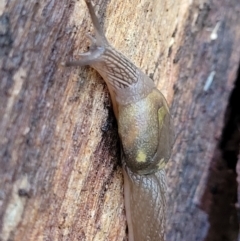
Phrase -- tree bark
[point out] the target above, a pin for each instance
(202, 174)
(60, 168)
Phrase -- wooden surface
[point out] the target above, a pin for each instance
(202, 183)
(60, 169)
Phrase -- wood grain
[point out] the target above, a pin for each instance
(60, 167)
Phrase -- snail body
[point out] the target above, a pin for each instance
(144, 127)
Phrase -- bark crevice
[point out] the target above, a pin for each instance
(222, 186)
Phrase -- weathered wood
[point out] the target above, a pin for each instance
(209, 60)
(60, 166)
(61, 177)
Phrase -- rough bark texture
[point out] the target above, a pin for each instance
(60, 172)
(202, 174)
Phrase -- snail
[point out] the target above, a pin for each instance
(145, 131)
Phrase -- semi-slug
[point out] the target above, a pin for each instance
(144, 127)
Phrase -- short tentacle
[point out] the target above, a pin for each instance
(98, 44)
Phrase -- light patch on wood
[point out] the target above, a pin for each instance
(2, 6)
(18, 79)
(80, 10)
(214, 34)
(78, 16)
(15, 208)
(209, 81)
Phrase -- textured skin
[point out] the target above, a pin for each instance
(145, 130)
(147, 202)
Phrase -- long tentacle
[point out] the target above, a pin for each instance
(98, 44)
(100, 36)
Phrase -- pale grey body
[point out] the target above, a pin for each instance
(145, 131)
